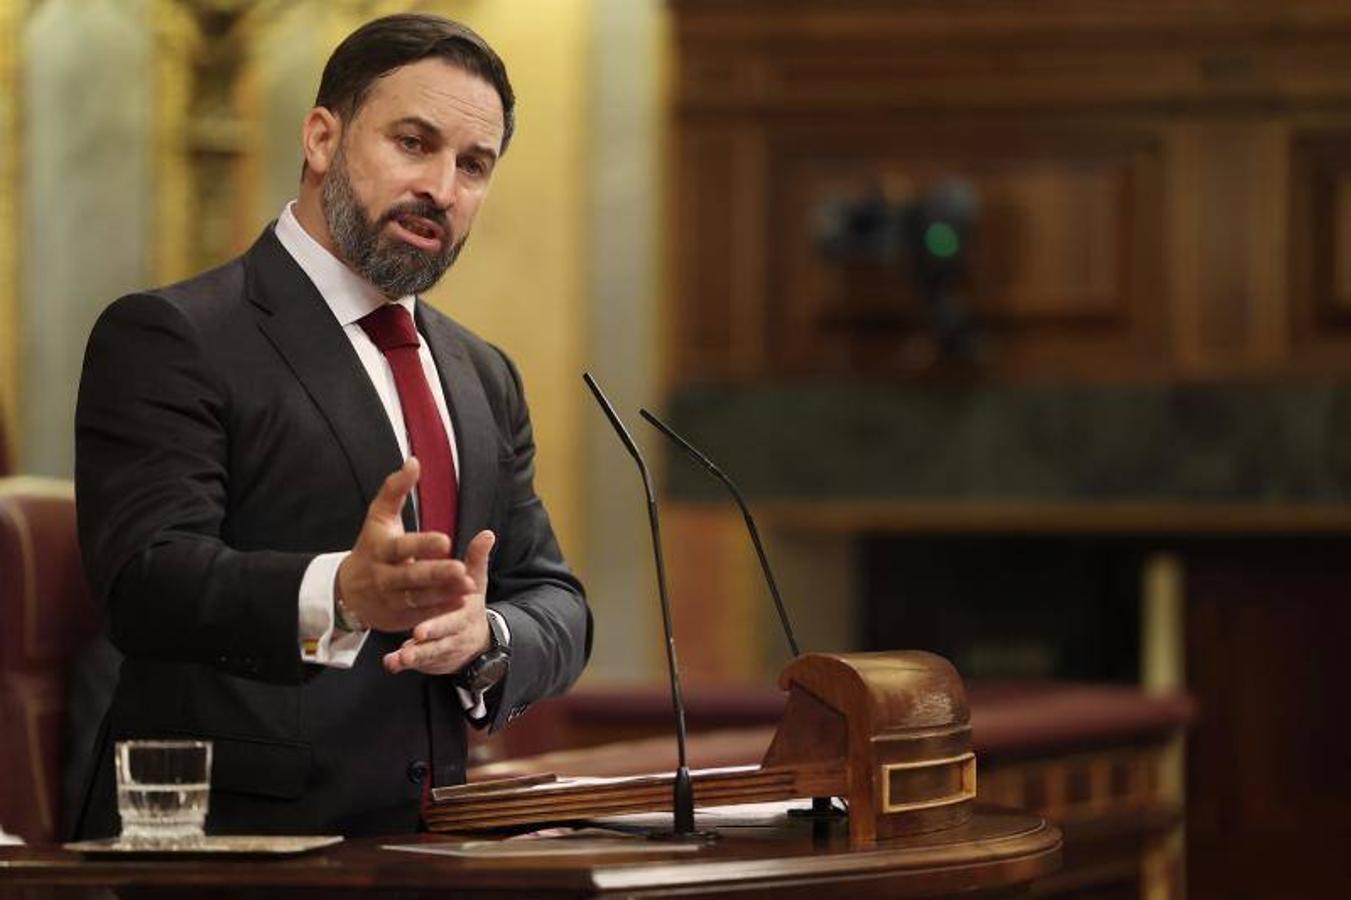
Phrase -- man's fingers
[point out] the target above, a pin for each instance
(429, 601)
(447, 575)
(388, 503)
(441, 625)
(476, 557)
(435, 657)
(418, 545)
(394, 662)
(407, 657)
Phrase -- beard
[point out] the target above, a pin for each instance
(395, 268)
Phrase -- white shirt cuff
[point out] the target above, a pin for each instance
(320, 641)
(474, 706)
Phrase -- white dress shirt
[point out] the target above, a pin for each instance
(349, 298)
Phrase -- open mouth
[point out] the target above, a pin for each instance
(420, 232)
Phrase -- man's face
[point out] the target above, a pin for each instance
(410, 171)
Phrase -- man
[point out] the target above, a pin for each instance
(258, 447)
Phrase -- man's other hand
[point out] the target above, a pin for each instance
(393, 580)
(447, 641)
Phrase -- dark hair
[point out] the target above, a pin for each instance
(385, 44)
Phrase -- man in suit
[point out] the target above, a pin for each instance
(306, 496)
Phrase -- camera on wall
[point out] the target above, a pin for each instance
(927, 236)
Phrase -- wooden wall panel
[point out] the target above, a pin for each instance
(1339, 295)
(1059, 238)
(1066, 265)
(719, 252)
(1320, 234)
(1228, 192)
(1179, 257)
(1267, 781)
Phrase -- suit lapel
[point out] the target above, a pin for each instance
(302, 328)
(476, 439)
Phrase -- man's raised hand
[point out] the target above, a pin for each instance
(447, 641)
(392, 580)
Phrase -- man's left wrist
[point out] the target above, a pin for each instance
(490, 666)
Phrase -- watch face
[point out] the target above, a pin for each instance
(490, 672)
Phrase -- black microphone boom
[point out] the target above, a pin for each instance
(745, 514)
(683, 799)
(822, 808)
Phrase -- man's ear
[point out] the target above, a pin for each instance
(319, 138)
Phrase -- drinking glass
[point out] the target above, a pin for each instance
(162, 791)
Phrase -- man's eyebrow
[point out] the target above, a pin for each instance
(418, 122)
(430, 127)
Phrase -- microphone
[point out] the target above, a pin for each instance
(683, 797)
(822, 808)
(745, 514)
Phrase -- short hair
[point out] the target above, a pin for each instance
(385, 44)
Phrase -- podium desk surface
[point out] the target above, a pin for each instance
(997, 854)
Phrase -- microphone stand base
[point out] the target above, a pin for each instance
(822, 808)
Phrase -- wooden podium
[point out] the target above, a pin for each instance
(888, 732)
(994, 855)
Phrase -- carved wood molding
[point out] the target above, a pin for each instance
(861, 54)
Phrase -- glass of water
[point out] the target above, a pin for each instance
(162, 791)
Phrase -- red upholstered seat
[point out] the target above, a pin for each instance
(46, 616)
(1034, 718)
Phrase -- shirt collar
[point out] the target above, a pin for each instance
(348, 295)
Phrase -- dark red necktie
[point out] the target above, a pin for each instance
(391, 329)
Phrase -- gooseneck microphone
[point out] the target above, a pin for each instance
(745, 514)
(683, 799)
(822, 808)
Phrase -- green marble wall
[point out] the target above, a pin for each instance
(1245, 443)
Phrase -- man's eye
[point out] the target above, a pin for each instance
(475, 167)
(410, 143)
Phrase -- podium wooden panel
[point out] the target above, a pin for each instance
(889, 732)
(994, 854)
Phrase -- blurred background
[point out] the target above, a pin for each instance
(1026, 328)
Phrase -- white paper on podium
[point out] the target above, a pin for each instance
(737, 815)
(548, 842)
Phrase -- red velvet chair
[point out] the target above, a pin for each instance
(46, 619)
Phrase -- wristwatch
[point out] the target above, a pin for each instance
(490, 666)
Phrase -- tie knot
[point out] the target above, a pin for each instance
(389, 327)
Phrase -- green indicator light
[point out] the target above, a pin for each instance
(941, 240)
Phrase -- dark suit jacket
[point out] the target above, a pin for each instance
(226, 433)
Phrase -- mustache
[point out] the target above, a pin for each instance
(424, 209)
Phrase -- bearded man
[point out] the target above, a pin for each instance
(306, 496)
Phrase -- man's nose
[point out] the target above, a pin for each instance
(438, 181)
